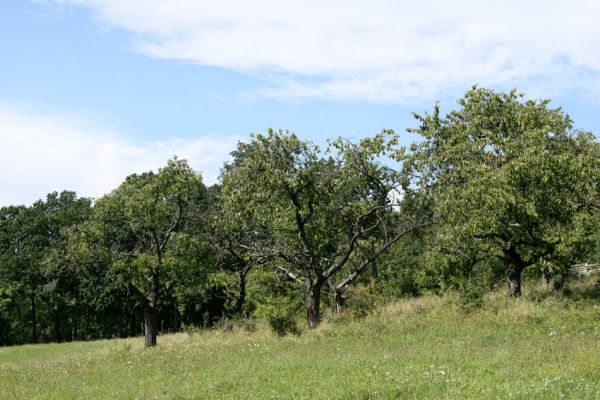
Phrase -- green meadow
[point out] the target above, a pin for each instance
(542, 346)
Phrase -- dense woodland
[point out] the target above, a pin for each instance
(500, 189)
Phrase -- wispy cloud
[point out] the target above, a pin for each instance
(382, 50)
(40, 154)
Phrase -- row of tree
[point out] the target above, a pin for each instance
(492, 188)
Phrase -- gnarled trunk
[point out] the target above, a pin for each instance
(514, 266)
(513, 279)
(339, 302)
(314, 305)
(150, 326)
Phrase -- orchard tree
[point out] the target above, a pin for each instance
(320, 209)
(508, 176)
(138, 222)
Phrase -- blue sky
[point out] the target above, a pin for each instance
(93, 90)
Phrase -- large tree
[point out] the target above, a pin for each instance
(508, 177)
(321, 209)
(138, 223)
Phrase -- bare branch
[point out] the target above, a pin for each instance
(365, 263)
(289, 275)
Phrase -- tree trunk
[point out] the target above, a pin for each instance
(314, 305)
(241, 298)
(515, 265)
(150, 326)
(339, 303)
(150, 312)
(33, 320)
(513, 278)
(374, 271)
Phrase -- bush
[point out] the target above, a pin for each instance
(281, 319)
(471, 293)
(277, 301)
(361, 300)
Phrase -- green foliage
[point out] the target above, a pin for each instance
(500, 185)
(587, 238)
(276, 300)
(362, 300)
(316, 212)
(471, 294)
(141, 226)
(507, 176)
(281, 318)
(399, 269)
(37, 271)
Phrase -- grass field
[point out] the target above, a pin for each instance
(545, 347)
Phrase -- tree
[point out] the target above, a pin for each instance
(32, 240)
(138, 222)
(508, 177)
(27, 249)
(11, 286)
(62, 213)
(320, 210)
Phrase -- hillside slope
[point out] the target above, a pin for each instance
(420, 348)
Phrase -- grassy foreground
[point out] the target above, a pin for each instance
(423, 348)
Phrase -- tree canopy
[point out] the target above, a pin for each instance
(508, 176)
(137, 223)
(490, 189)
(321, 209)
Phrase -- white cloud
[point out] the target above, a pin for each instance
(380, 50)
(40, 154)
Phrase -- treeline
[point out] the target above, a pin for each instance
(500, 186)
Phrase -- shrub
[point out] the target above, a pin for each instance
(471, 293)
(361, 300)
(281, 319)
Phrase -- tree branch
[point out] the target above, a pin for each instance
(365, 263)
(289, 275)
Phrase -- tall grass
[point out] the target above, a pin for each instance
(544, 346)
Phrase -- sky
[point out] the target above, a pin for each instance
(94, 90)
